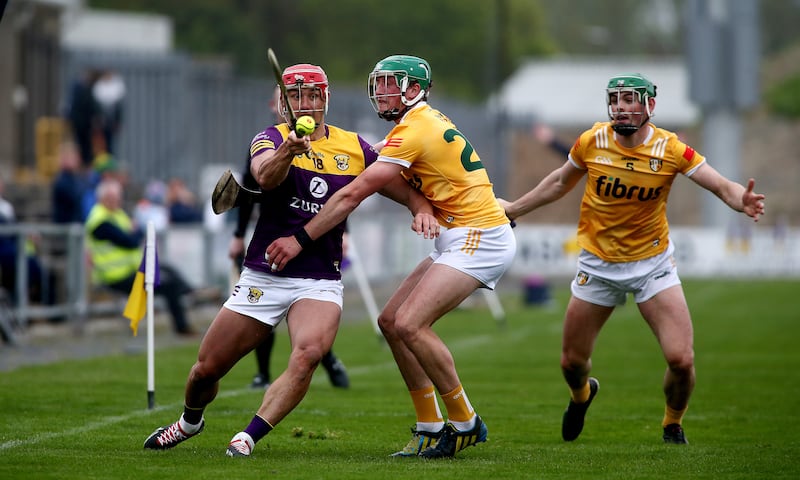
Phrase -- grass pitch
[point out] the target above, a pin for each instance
(87, 419)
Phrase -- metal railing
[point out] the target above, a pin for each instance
(63, 246)
(61, 250)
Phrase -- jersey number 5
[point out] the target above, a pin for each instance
(466, 153)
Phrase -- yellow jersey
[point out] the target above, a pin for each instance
(440, 162)
(623, 215)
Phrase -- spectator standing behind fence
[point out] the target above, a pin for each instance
(83, 114)
(545, 134)
(115, 251)
(109, 94)
(68, 187)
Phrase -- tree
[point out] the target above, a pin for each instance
(471, 44)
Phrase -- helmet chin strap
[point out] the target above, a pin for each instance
(392, 115)
(626, 130)
(395, 113)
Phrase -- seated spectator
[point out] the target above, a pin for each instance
(182, 203)
(152, 207)
(9, 247)
(115, 251)
(68, 187)
(104, 167)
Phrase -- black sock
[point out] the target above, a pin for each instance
(192, 415)
(263, 354)
(328, 359)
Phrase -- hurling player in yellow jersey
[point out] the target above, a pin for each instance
(474, 249)
(624, 237)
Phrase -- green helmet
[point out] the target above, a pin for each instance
(632, 81)
(407, 70)
(642, 88)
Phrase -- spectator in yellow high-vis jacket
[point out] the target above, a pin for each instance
(115, 250)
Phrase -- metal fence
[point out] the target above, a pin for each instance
(66, 292)
(60, 250)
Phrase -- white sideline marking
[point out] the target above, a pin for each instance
(102, 423)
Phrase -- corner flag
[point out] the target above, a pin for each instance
(136, 306)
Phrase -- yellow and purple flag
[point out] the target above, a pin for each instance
(136, 307)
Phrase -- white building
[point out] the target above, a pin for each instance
(569, 92)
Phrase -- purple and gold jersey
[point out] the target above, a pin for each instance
(624, 208)
(441, 163)
(336, 160)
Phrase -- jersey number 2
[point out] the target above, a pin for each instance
(466, 153)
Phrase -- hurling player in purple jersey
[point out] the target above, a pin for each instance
(236, 248)
(297, 175)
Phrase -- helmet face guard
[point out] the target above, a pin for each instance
(624, 91)
(312, 80)
(406, 70)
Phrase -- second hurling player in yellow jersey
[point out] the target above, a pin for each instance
(624, 236)
(474, 249)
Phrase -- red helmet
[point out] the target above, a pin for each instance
(305, 75)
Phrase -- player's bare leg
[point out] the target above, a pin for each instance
(423, 358)
(312, 329)
(230, 337)
(582, 323)
(410, 369)
(668, 316)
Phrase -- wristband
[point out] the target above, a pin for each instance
(302, 238)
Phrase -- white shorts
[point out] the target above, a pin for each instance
(482, 253)
(607, 283)
(267, 298)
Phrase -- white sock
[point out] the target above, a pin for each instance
(432, 427)
(188, 427)
(464, 426)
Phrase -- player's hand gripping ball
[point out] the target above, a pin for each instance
(305, 126)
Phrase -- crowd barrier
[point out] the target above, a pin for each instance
(66, 292)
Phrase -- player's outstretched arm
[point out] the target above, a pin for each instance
(552, 187)
(735, 195)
